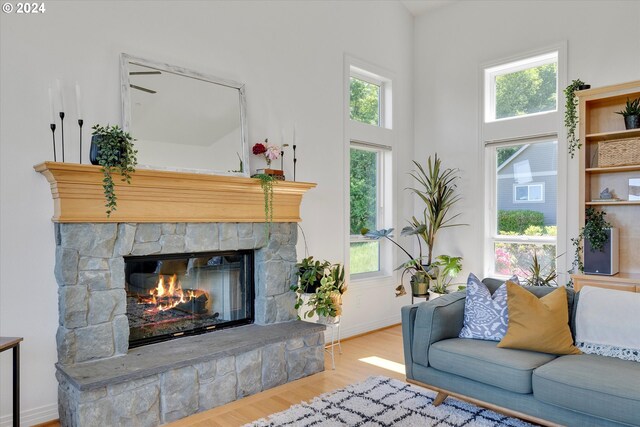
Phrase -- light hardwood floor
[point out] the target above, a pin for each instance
(385, 345)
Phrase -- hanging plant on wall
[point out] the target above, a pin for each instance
(112, 148)
(571, 115)
(266, 182)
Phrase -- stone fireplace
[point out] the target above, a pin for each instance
(105, 381)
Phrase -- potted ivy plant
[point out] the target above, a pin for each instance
(571, 114)
(596, 230)
(325, 283)
(112, 149)
(631, 114)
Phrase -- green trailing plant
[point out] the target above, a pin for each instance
(632, 108)
(446, 269)
(536, 277)
(266, 183)
(115, 155)
(326, 284)
(571, 116)
(437, 189)
(594, 230)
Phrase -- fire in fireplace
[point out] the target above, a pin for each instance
(174, 295)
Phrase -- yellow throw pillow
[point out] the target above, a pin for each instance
(538, 324)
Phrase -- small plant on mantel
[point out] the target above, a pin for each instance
(115, 153)
(266, 183)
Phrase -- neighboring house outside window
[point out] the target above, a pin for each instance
(520, 134)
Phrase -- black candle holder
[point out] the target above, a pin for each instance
(53, 136)
(295, 160)
(62, 132)
(80, 123)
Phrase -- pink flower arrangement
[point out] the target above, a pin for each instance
(270, 151)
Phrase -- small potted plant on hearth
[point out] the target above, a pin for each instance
(112, 148)
(446, 269)
(631, 114)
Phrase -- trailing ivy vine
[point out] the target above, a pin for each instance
(571, 116)
(266, 182)
(116, 155)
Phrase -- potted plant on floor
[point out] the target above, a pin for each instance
(631, 114)
(446, 269)
(112, 148)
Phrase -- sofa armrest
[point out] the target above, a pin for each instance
(429, 322)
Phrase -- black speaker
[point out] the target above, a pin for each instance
(603, 261)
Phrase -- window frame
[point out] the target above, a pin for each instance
(380, 137)
(527, 129)
(529, 185)
(383, 159)
(525, 63)
(359, 74)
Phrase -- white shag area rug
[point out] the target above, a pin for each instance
(381, 401)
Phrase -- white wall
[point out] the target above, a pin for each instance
(451, 44)
(289, 54)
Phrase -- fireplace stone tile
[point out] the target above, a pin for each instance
(66, 269)
(201, 237)
(66, 345)
(91, 263)
(124, 242)
(116, 270)
(94, 342)
(73, 304)
(94, 240)
(169, 228)
(172, 244)
(147, 248)
(148, 233)
(95, 280)
(121, 334)
(249, 373)
(104, 305)
(179, 397)
(228, 233)
(274, 370)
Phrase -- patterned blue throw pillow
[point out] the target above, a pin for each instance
(485, 315)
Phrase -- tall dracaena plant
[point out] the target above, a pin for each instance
(437, 189)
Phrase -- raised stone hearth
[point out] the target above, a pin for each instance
(102, 382)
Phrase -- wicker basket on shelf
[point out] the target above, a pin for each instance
(619, 152)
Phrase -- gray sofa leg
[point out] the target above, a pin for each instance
(440, 398)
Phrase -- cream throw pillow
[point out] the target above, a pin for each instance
(538, 324)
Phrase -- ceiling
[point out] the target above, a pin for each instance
(420, 7)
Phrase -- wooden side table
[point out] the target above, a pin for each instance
(5, 344)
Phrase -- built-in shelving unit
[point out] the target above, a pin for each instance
(599, 124)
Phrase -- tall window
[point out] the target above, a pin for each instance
(368, 132)
(524, 202)
(524, 222)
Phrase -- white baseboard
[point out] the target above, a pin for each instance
(361, 328)
(32, 416)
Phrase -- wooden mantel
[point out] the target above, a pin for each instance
(166, 196)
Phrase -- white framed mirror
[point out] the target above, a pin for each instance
(182, 119)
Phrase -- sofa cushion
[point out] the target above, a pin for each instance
(483, 361)
(538, 324)
(603, 386)
(485, 315)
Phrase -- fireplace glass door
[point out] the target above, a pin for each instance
(175, 295)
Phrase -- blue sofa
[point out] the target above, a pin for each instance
(578, 390)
